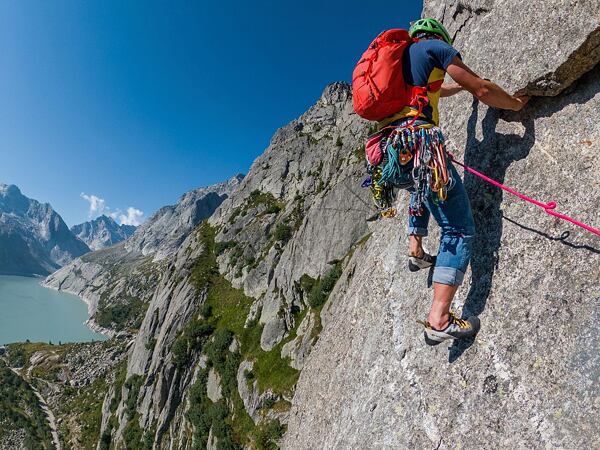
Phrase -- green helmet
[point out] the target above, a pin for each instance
(430, 26)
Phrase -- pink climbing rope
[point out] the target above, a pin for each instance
(548, 207)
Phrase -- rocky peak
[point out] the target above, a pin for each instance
(161, 235)
(9, 190)
(33, 237)
(102, 232)
(12, 200)
(336, 92)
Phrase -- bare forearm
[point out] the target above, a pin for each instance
(493, 95)
(489, 93)
(449, 89)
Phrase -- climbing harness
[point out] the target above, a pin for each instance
(547, 207)
(404, 157)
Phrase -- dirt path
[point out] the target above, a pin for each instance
(49, 414)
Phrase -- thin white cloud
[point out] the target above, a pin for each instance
(98, 206)
(133, 217)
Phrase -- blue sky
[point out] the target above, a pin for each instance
(136, 103)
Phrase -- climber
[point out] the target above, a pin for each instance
(425, 63)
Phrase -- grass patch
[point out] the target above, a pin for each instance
(283, 232)
(230, 307)
(133, 385)
(134, 437)
(320, 187)
(120, 374)
(205, 267)
(127, 314)
(190, 341)
(297, 216)
(256, 199)
(272, 209)
(220, 247)
(267, 436)
(20, 353)
(359, 154)
(320, 288)
(205, 415)
(274, 373)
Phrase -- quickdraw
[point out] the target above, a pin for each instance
(412, 156)
(430, 171)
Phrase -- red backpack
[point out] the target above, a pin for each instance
(378, 86)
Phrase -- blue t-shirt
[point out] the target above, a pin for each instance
(423, 57)
(425, 62)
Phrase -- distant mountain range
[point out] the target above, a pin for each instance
(102, 232)
(117, 282)
(34, 239)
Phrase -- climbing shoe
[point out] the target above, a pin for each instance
(417, 263)
(456, 329)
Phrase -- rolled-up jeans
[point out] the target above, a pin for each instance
(455, 219)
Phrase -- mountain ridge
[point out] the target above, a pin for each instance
(34, 239)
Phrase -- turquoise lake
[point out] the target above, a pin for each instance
(30, 311)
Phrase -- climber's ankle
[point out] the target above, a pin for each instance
(415, 246)
(439, 322)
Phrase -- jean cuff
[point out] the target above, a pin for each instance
(417, 231)
(448, 275)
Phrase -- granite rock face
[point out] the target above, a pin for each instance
(298, 349)
(161, 398)
(530, 379)
(34, 239)
(102, 232)
(311, 172)
(539, 49)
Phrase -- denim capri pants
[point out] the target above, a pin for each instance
(455, 219)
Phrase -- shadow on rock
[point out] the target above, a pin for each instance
(562, 238)
(492, 155)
